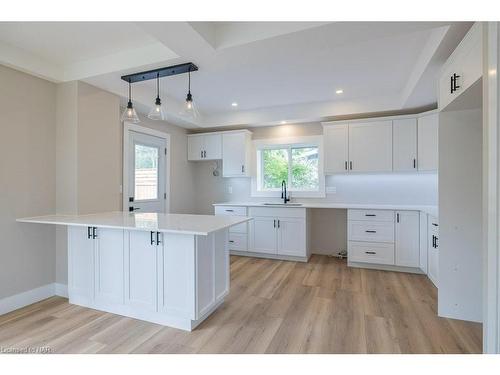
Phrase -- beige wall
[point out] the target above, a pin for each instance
(27, 180)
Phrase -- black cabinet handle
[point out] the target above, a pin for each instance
(158, 238)
(274, 223)
(453, 83)
(278, 223)
(89, 235)
(205, 153)
(370, 252)
(437, 242)
(231, 241)
(397, 217)
(370, 231)
(414, 163)
(370, 215)
(229, 210)
(242, 169)
(345, 165)
(201, 154)
(152, 238)
(433, 241)
(350, 165)
(94, 233)
(436, 225)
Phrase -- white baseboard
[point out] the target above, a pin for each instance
(61, 290)
(17, 301)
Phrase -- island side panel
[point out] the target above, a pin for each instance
(212, 271)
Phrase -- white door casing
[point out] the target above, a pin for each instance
(150, 140)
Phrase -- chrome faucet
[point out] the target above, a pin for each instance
(283, 192)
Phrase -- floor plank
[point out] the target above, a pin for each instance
(273, 307)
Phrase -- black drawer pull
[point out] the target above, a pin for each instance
(436, 225)
(231, 241)
(229, 210)
(370, 231)
(370, 252)
(89, 236)
(152, 238)
(370, 215)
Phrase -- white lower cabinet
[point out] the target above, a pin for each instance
(171, 279)
(433, 250)
(109, 265)
(264, 234)
(140, 261)
(280, 232)
(407, 239)
(384, 237)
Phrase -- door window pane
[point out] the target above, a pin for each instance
(305, 168)
(146, 172)
(274, 168)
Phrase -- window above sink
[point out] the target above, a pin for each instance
(297, 161)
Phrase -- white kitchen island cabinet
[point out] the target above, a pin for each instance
(167, 269)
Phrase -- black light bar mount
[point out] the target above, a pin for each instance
(162, 72)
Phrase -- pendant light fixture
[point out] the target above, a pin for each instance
(156, 112)
(190, 108)
(129, 114)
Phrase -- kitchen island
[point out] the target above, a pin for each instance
(170, 269)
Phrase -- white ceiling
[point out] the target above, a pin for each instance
(274, 70)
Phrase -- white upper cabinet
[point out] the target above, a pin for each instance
(213, 147)
(370, 146)
(428, 142)
(336, 143)
(205, 147)
(236, 154)
(463, 68)
(404, 145)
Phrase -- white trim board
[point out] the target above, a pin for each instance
(29, 297)
(127, 127)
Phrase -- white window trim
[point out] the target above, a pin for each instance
(295, 141)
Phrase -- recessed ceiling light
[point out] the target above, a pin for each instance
(339, 91)
(234, 104)
(283, 122)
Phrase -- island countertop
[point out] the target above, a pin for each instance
(201, 225)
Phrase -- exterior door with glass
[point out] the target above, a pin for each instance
(146, 173)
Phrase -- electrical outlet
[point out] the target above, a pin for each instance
(331, 189)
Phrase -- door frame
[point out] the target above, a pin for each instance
(127, 128)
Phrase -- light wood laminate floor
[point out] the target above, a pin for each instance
(274, 307)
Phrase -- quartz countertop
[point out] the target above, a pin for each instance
(167, 223)
(428, 209)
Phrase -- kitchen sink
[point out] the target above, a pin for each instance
(283, 204)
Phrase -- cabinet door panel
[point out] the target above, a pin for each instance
(428, 143)
(141, 271)
(370, 146)
(213, 147)
(109, 265)
(407, 239)
(336, 148)
(291, 237)
(81, 263)
(405, 145)
(263, 235)
(234, 155)
(195, 147)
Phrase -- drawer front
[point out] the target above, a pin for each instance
(231, 210)
(371, 215)
(240, 228)
(371, 252)
(238, 242)
(372, 231)
(277, 212)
